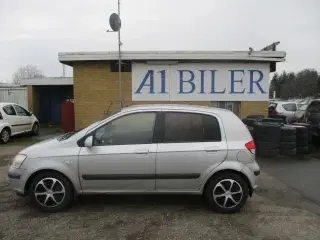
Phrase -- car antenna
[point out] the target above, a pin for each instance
(106, 114)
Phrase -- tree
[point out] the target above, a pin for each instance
(27, 72)
(305, 83)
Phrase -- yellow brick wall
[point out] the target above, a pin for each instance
(253, 108)
(96, 90)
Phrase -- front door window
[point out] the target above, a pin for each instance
(130, 129)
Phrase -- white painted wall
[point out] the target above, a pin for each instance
(200, 82)
(14, 95)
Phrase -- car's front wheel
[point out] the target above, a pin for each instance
(5, 135)
(51, 192)
(227, 192)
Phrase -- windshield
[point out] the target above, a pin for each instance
(70, 134)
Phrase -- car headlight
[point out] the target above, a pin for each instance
(18, 160)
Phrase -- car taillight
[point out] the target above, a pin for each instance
(251, 146)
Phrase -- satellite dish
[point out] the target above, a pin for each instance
(115, 22)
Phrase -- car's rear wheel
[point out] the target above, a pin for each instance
(227, 192)
(35, 129)
(51, 192)
(5, 135)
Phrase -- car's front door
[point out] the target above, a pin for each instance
(192, 144)
(24, 119)
(122, 158)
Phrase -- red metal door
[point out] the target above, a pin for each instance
(67, 116)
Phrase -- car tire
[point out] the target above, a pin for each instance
(287, 145)
(289, 138)
(288, 152)
(267, 145)
(51, 192)
(220, 203)
(301, 129)
(255, 116)
(268, 153)
(35, 129)
(5, 135)
(303, 150)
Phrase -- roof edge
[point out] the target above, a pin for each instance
(266, 56)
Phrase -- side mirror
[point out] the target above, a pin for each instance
(88, 142)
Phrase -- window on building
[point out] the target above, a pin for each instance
(125, 66)
(190, 127)
(9, 110)
(130, 129)
(232, 106)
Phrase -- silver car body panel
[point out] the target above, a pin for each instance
(145, 168)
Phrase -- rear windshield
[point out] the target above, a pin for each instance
(292, 107)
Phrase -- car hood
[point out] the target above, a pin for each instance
(51, 148)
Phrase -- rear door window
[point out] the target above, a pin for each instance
(9, 110)
(190, 127)
(291, 107)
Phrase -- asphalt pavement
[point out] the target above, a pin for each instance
(299, 173)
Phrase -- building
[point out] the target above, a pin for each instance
(45, 96)
(238, 80)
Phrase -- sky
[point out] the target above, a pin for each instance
(34, 31)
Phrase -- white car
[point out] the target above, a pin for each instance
(14, 120)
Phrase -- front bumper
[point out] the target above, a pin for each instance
(17, 179)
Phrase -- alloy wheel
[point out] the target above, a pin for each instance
(227, 193)
(49, 192)
(5, 136)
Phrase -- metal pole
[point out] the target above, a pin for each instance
(119, 62)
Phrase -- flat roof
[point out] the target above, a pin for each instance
(45, 81)
(253, 56)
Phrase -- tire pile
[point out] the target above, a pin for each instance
(274, 138)
(304, 138)
(267, 138)
(288, 141)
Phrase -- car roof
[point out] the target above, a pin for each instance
(282, 102)
(175, 107)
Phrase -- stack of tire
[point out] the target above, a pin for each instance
(273, 120)
(288, 141)
(304, 138)
(250, 120)
(267, 139)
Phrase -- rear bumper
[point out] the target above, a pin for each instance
(252, 171)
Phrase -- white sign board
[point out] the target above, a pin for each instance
(201, 82)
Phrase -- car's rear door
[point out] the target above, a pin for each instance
(11, 116)
(191, 144)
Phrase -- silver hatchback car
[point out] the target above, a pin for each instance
(143, 149)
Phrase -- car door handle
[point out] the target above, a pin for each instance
(211, 149)
(141, 151)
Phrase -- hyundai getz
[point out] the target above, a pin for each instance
(143, 149)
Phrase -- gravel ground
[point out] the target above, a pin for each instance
(275, 212)
(270, 215)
